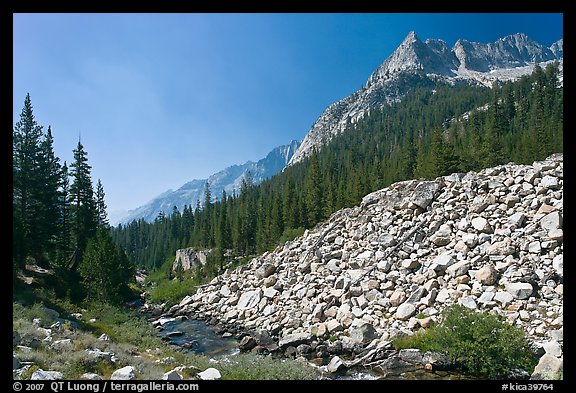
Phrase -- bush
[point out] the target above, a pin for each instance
(478, 342)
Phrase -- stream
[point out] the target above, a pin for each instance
(200, 338)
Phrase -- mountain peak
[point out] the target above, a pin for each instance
(423, 64)
(412, 37)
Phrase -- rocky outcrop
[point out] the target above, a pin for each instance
(490, 240)
(189, 258)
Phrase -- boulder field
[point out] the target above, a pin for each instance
(489, 240)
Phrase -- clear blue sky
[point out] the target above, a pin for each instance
(161, 99)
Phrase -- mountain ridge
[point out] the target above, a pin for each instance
(417, 63)
(228, 179)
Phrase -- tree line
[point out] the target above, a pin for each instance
(60, 221)
(430, 133)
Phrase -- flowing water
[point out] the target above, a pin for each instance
(199, 338)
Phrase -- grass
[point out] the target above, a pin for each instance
(133, 341)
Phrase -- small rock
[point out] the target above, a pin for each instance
(481, 225)
(487, 275)
(210, 374)
(124, 373)
(405, 311)
(91, 377)
(553, 348)
(41, 375)
(172, 375)
(520, 290)
(336, 365)
(548, 368)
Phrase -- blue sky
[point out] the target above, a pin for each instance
(161, 99)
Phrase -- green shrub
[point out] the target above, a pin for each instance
(172, 292)
(478, 342)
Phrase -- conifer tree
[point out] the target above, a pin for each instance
(27, 154)
(83, 206)
(101, 214)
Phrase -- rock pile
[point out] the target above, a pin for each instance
(489, 240)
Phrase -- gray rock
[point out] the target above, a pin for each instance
(411, 355)
(520, 290)
(294, 340)
(265, 270)
(41, 375)
(334, 326)
(125, 374)
(458, 269)
(517, 219)
(91, 377)
(442, 236)
(249, 299)
(189, 258)
(442, 262)
(481, 225)
(424, 194)
(405, 311)
(553, 348)
(549, 182)
(336, 365)
(503, 297)
(15, 363)
(551, 221)
(558, 264)
(247, 343)
(468, 301)
(210, 374)
(548, 368)
(172, 375)
(362, 331)
(504, 247)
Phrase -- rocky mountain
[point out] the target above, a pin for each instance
(229, 179)
(489, 240)
(417, 63)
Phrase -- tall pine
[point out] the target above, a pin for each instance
(82, 204)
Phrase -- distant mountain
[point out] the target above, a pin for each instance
(228, 179)
(424, 64)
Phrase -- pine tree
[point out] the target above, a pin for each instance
(101, 205)
(105, 270)
(83, 206)
(64, 218)
(27, 155)
(50, 172)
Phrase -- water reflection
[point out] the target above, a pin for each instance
(199, 338)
